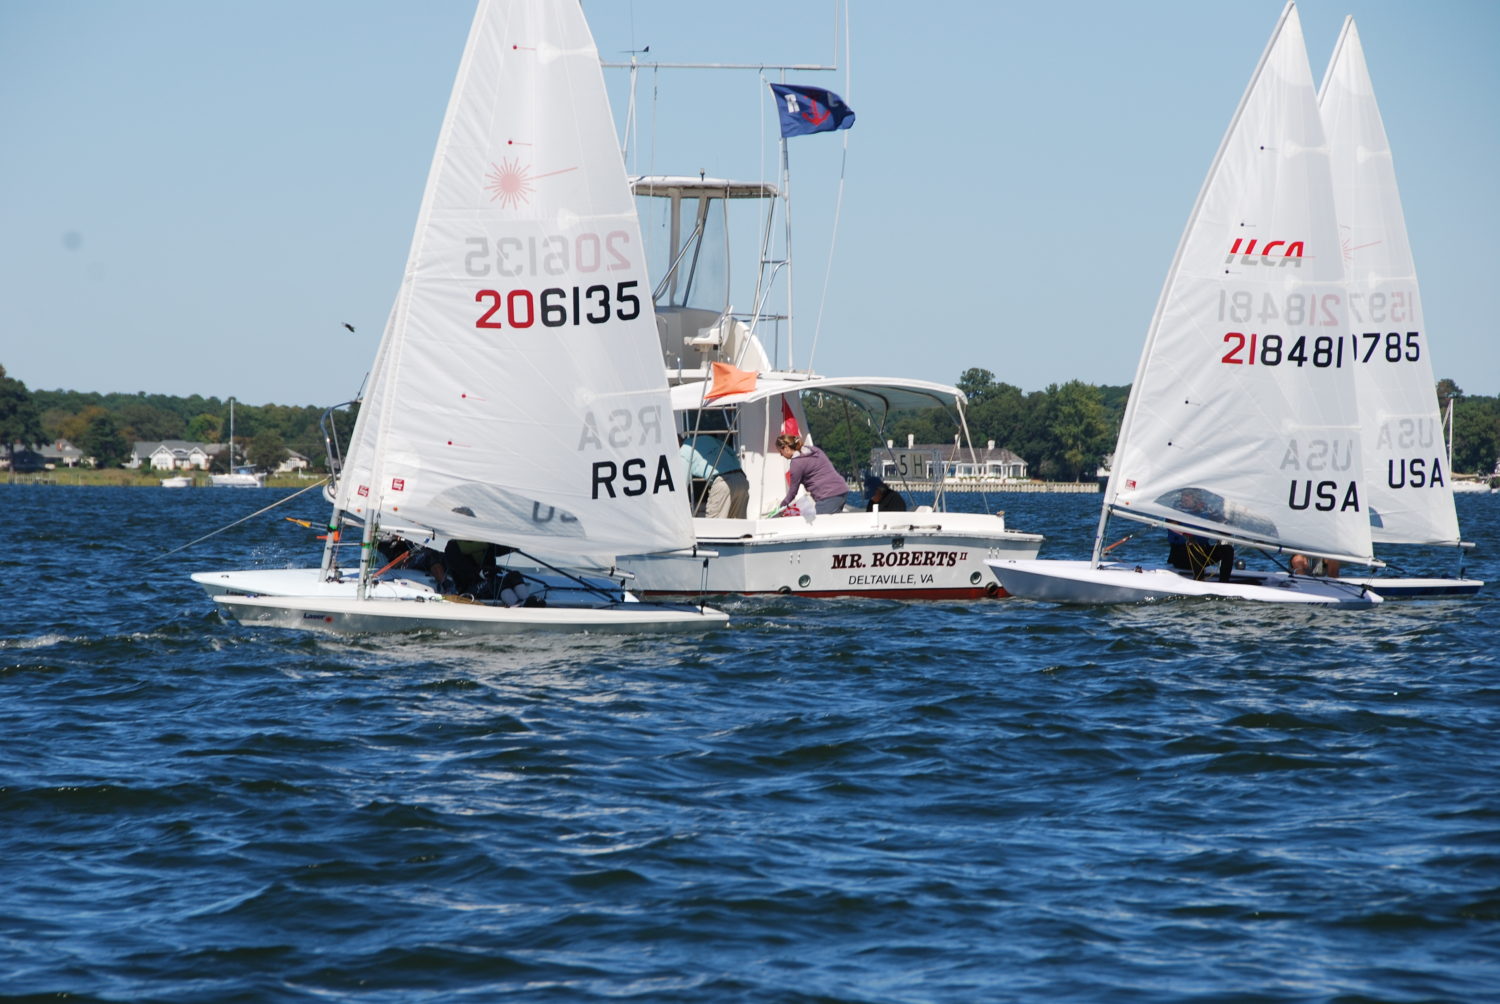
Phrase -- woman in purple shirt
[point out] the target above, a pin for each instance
(812, 469)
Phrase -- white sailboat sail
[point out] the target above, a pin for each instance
(518, 395)
(1243, 422)
(1409, 487)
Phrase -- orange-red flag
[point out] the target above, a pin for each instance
(730, 380)
(788, 420)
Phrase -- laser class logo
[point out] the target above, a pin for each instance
(511, 183)
(1252, 252)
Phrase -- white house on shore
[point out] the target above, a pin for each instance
(182, 455)
(295, 463)
(947, 462)
(172, 455)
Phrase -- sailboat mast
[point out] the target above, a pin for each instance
(786, 222)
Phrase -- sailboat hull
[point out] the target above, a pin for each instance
(1396, 588)
(236, 480)
(405, 601)
(341, 615)
(1082, 582)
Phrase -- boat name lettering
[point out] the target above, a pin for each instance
(897, 559)
(557, 306)
(1414, 472)
(643, 426)
(1290, 252)
(1317, 455)
(549, 255)
(1324, 496)
(632, 474)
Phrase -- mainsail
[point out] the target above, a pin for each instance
(1408, 485)
(518, 395)
(1243, 421)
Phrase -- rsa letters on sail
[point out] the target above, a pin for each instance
(635, 475)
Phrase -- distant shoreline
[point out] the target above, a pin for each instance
(131, 479)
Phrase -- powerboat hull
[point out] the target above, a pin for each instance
(901, 555)
(1082, 582)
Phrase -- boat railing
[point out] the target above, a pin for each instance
(329, 428)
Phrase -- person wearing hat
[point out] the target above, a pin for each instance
(881, 496)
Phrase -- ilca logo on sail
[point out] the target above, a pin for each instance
(1270, 253)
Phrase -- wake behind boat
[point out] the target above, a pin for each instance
(1242, 427)
(516, 406)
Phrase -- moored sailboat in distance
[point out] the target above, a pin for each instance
(516, 408)
(236, 475)
(1408, 475)
(1242, 426)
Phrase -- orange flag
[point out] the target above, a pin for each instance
(730, 380)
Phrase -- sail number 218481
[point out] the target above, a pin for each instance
(1322, 351)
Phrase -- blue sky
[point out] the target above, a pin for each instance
(198, 195)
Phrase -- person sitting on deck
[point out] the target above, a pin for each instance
(442, 582)
(881, 496)
(1326, 567)
(1194, 553)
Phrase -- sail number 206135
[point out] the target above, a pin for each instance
(1322, 351)
(557, 306)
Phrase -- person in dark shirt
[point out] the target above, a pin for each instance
(1193, 553)
(879, 495)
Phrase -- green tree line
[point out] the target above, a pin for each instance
(105, 426)
(1064, 432)
(1067, 431)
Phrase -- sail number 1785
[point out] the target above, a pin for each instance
(557, 306)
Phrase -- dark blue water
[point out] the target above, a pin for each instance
(832, 801)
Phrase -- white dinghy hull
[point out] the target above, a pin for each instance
(1082, 582)
(400, 600)
(347, 615)
(1416, 588)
